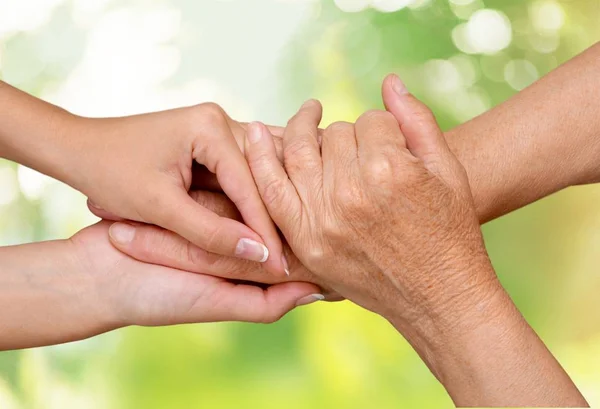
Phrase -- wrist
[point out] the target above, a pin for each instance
(454, 312)
(71, 153)
(99, 297)
(87, 292)
(34, 133)
(46, 299)
(485, 354)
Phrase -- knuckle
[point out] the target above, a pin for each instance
(346, 194)
(195, 256)
(211, 239)
(297, 155)
(145, 245)
(351, 200)
(379, 172)
(206, 115)
(331, 230)
(258, 158)
(272, 191)
(424, 116)
(376, 115)
(295, 149)
(339, 127)
(267, 315)
(315, 256)
(376, 122)
(271, 317)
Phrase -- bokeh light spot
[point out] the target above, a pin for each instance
(489, 31)
(546, 15)
(520, 74)
(352, 6)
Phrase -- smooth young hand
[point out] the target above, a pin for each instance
(141, 168)
(67, 290)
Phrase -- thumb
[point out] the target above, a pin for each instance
(424, 137)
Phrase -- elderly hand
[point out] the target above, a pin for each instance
(381, 212)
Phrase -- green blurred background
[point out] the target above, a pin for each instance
(260, 59)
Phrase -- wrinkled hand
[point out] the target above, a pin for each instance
(141, 168)
(381, 212)
(151, 295)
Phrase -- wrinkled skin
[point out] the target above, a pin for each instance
(382, 214)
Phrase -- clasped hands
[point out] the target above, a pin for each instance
(208, 219)
(378, 212)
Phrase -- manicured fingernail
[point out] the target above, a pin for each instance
(309, 299)
(252, 250)
(122, 233)
(94, 205)
(286, 266)
(399, 86)
(309, 103)
(254, 132)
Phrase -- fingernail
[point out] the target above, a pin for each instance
(308, 103)
(309, 299)
(399, 86)
(254, 132)
(122, 233)
(252, 250)
(286, 266)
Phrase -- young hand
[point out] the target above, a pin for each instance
(67, 290)
(141, 168)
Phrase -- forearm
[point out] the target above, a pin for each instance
(35, 133)
(487, 355)
(45, 299)
(542, 140)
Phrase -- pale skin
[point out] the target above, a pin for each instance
(494, 148)
(68, 290)
(141, 168)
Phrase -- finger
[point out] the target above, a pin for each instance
(378, 135)
(175, 210)
(155, 245)
(203, 179)
(301, 150)
(224, 158)
(101, 213)
(339, 151)
(423, 136)
(247, 303)
(276, 189)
